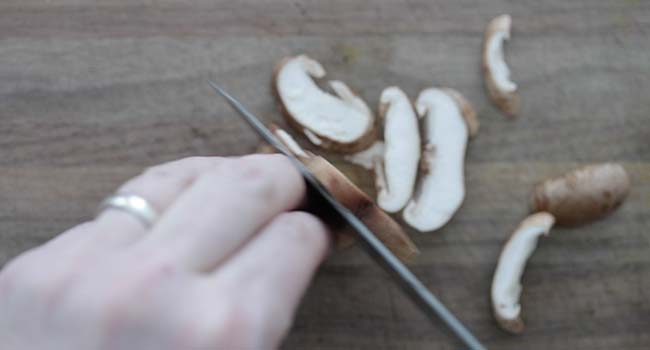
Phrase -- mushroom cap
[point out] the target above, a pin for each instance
(584, 194)
(353, 198)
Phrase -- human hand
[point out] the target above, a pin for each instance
(224, 267)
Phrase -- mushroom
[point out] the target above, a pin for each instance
(368, 157)
(441, 187)
(506, 285)
(467, 111)
(584, 194)
(343, 239)
(350, 196)
(341, 123)
(396, 168)
(497, 74)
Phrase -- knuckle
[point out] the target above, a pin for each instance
(283, 164)
(169, 169)
(262, 179)
(256, 179)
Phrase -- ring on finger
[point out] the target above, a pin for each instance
(131, 204)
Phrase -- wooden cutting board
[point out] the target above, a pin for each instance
(92, 94)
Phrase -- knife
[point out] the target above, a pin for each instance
(408, 282)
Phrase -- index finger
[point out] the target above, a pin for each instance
(225, 207)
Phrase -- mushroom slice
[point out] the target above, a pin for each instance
(506, 285)
(441, 188)
(381, 224)
(467, 110)
(368, 157)
(396, 171)
(584, 194)
(340, 123)
(497, 74)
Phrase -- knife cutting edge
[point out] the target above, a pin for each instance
(409, 283)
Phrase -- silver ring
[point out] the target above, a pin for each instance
(132, 204)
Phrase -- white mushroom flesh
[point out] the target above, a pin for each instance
(442, 185)
(290, 143)
(506, 285)
(367, 157)
(344, 119)
(397, 172)
(312, 137)
(498, 69)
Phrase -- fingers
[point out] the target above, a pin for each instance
(160, 186)
(274, 268)
(225, 207)
(282, 257)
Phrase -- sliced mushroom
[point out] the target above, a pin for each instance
(291, 144)
(368, 157)
(506, 285)
(497, 74)
(396, 171)
(441, 187)
(353, 198)
(467, 110)
(340, 123)
(584, 194)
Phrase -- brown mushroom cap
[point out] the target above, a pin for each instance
(353, 198)
(583, 195)
(381, 224)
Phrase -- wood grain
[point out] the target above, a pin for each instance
(92, 92)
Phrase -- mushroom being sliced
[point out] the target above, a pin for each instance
(497, 74)
(506, 285)
(441, 188)
(396, 171)
(381, 224)
(340, 123)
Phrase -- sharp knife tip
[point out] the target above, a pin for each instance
(216, 87)
(225, 95)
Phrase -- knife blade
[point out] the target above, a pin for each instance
(408, 282)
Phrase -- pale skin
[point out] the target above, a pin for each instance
(224, 267)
